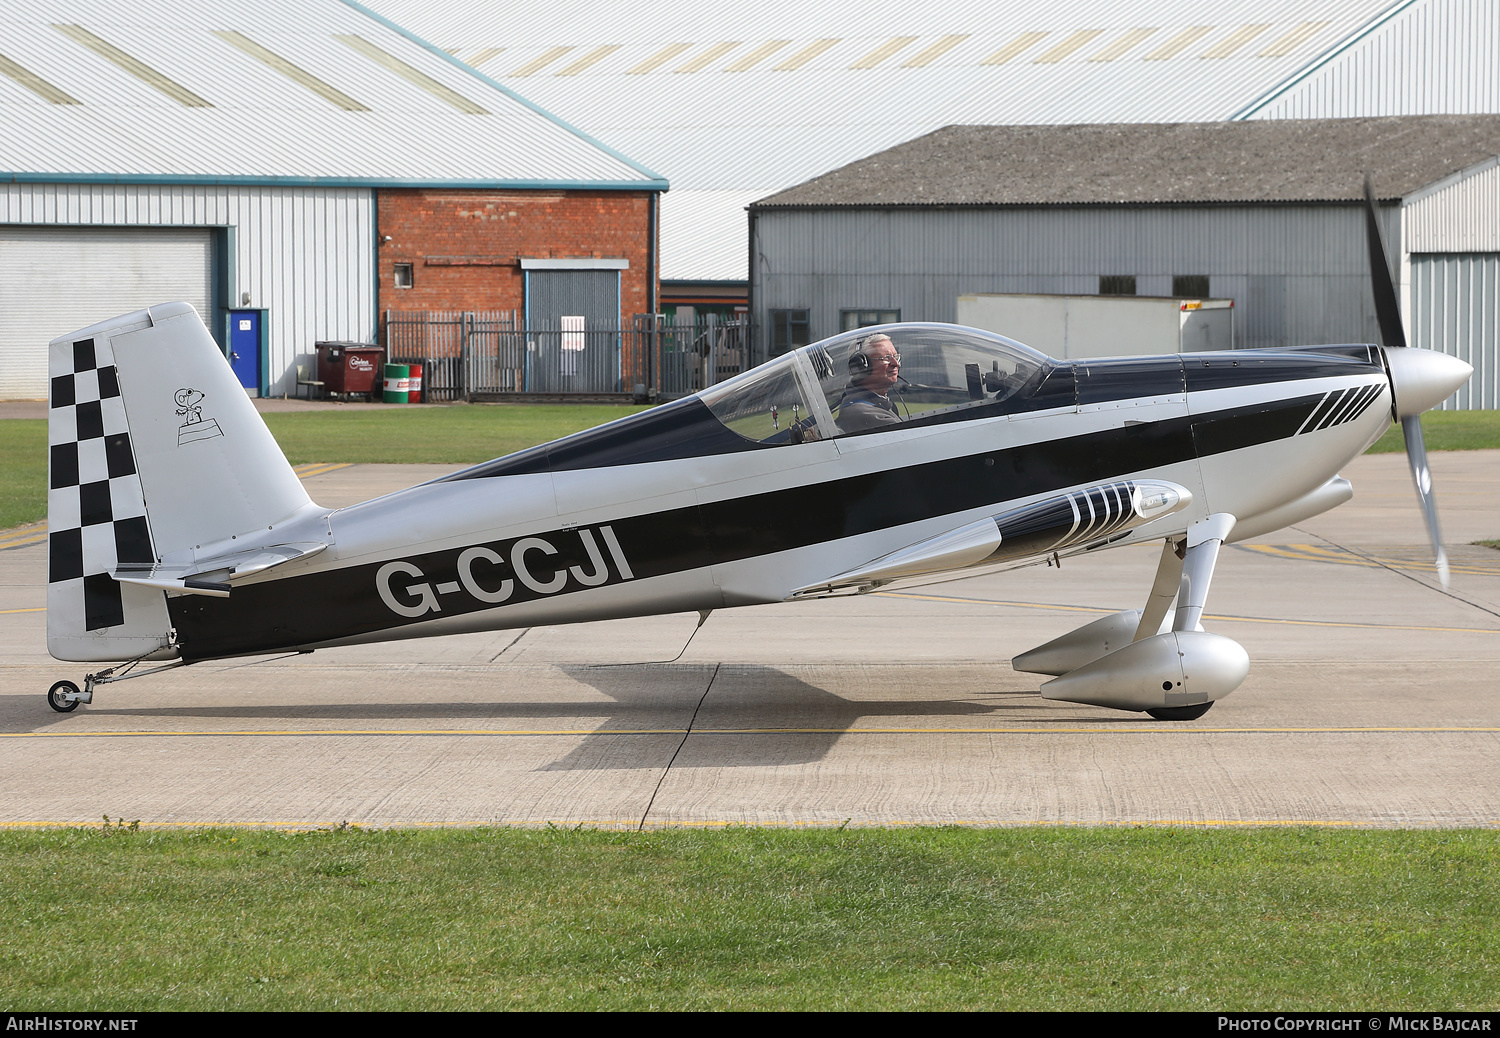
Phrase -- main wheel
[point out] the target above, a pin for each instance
(57, 701)
(1180, 713)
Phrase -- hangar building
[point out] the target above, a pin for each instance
(736, 101)
(292, 169)
(1267, 213)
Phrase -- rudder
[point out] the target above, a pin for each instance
(157, 461)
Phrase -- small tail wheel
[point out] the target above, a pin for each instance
(62, 697)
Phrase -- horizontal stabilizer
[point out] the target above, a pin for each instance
(1100, 513)
(216, 576)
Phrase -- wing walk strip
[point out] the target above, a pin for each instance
(1139, 728)
(38, 534)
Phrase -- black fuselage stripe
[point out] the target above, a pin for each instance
(1335, 407)
(1321, 411)
(1345, 406)
(341, 603)
(1371, 395)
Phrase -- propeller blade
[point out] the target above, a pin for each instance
(1387, 304)
(1388, 314)
(1421, 475)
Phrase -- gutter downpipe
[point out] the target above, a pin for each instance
(750, 274)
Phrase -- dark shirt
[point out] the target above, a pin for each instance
(862, 409)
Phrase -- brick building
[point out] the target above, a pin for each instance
(258, 156)
(450, 249)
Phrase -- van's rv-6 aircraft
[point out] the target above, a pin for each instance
(178, 532)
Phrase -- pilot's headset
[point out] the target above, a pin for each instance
(859, 360)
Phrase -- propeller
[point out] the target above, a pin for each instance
(1393, 335)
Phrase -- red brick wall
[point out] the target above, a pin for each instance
(464, 246)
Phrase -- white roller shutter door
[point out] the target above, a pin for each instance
(56, 279)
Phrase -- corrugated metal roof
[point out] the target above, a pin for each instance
(800, 108)
(1285, 160)
(275, 90)
(1427, 56)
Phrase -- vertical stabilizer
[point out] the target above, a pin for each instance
(157, 457)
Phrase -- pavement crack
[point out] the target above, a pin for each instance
(673, 760)
(510, 644)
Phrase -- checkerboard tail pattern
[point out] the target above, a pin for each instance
(96, 509)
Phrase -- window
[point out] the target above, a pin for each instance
(1190, 286)
(1117, 284)
(402, 274)
(788, 331)
(849, 320)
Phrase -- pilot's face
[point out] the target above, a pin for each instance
(885, 364)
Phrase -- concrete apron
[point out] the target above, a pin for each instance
(1370, 702)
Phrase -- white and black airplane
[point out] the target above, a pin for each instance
(178, 532)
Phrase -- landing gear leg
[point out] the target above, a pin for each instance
(65, 696)
(1163, 588)
(1199, 553)
(1203, 542)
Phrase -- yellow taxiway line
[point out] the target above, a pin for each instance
(319, 469)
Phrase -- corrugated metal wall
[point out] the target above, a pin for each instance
(1298, 274)
(305, 254)
(1460, 216)
(1436, 57)
(1456, 309)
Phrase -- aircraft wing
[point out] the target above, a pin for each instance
(1093, 515)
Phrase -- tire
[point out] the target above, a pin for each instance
(55, 697)
(1180, 713)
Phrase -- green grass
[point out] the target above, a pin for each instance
(23, 471)
(436, 435)
(1448, 431)
(433, 435)
(1286, 919)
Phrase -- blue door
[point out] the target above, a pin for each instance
(244, 347)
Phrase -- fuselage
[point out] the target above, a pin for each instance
(685, 508)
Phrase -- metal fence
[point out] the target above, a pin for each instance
(481, 353)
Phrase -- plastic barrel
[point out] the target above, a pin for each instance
(397, 383)
(414, 393)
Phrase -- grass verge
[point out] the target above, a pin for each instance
(1179, 919)
(1448, 431)
(434, 435)
(23, 471)
(431, 435)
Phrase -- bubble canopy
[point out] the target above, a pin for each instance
(869, 381)
(877, 379)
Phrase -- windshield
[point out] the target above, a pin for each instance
(873, 379)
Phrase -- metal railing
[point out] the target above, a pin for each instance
(481, 353)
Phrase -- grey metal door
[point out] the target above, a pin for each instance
(1455, 303)
(573, 331)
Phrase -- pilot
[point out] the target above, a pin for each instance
(873, 369)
